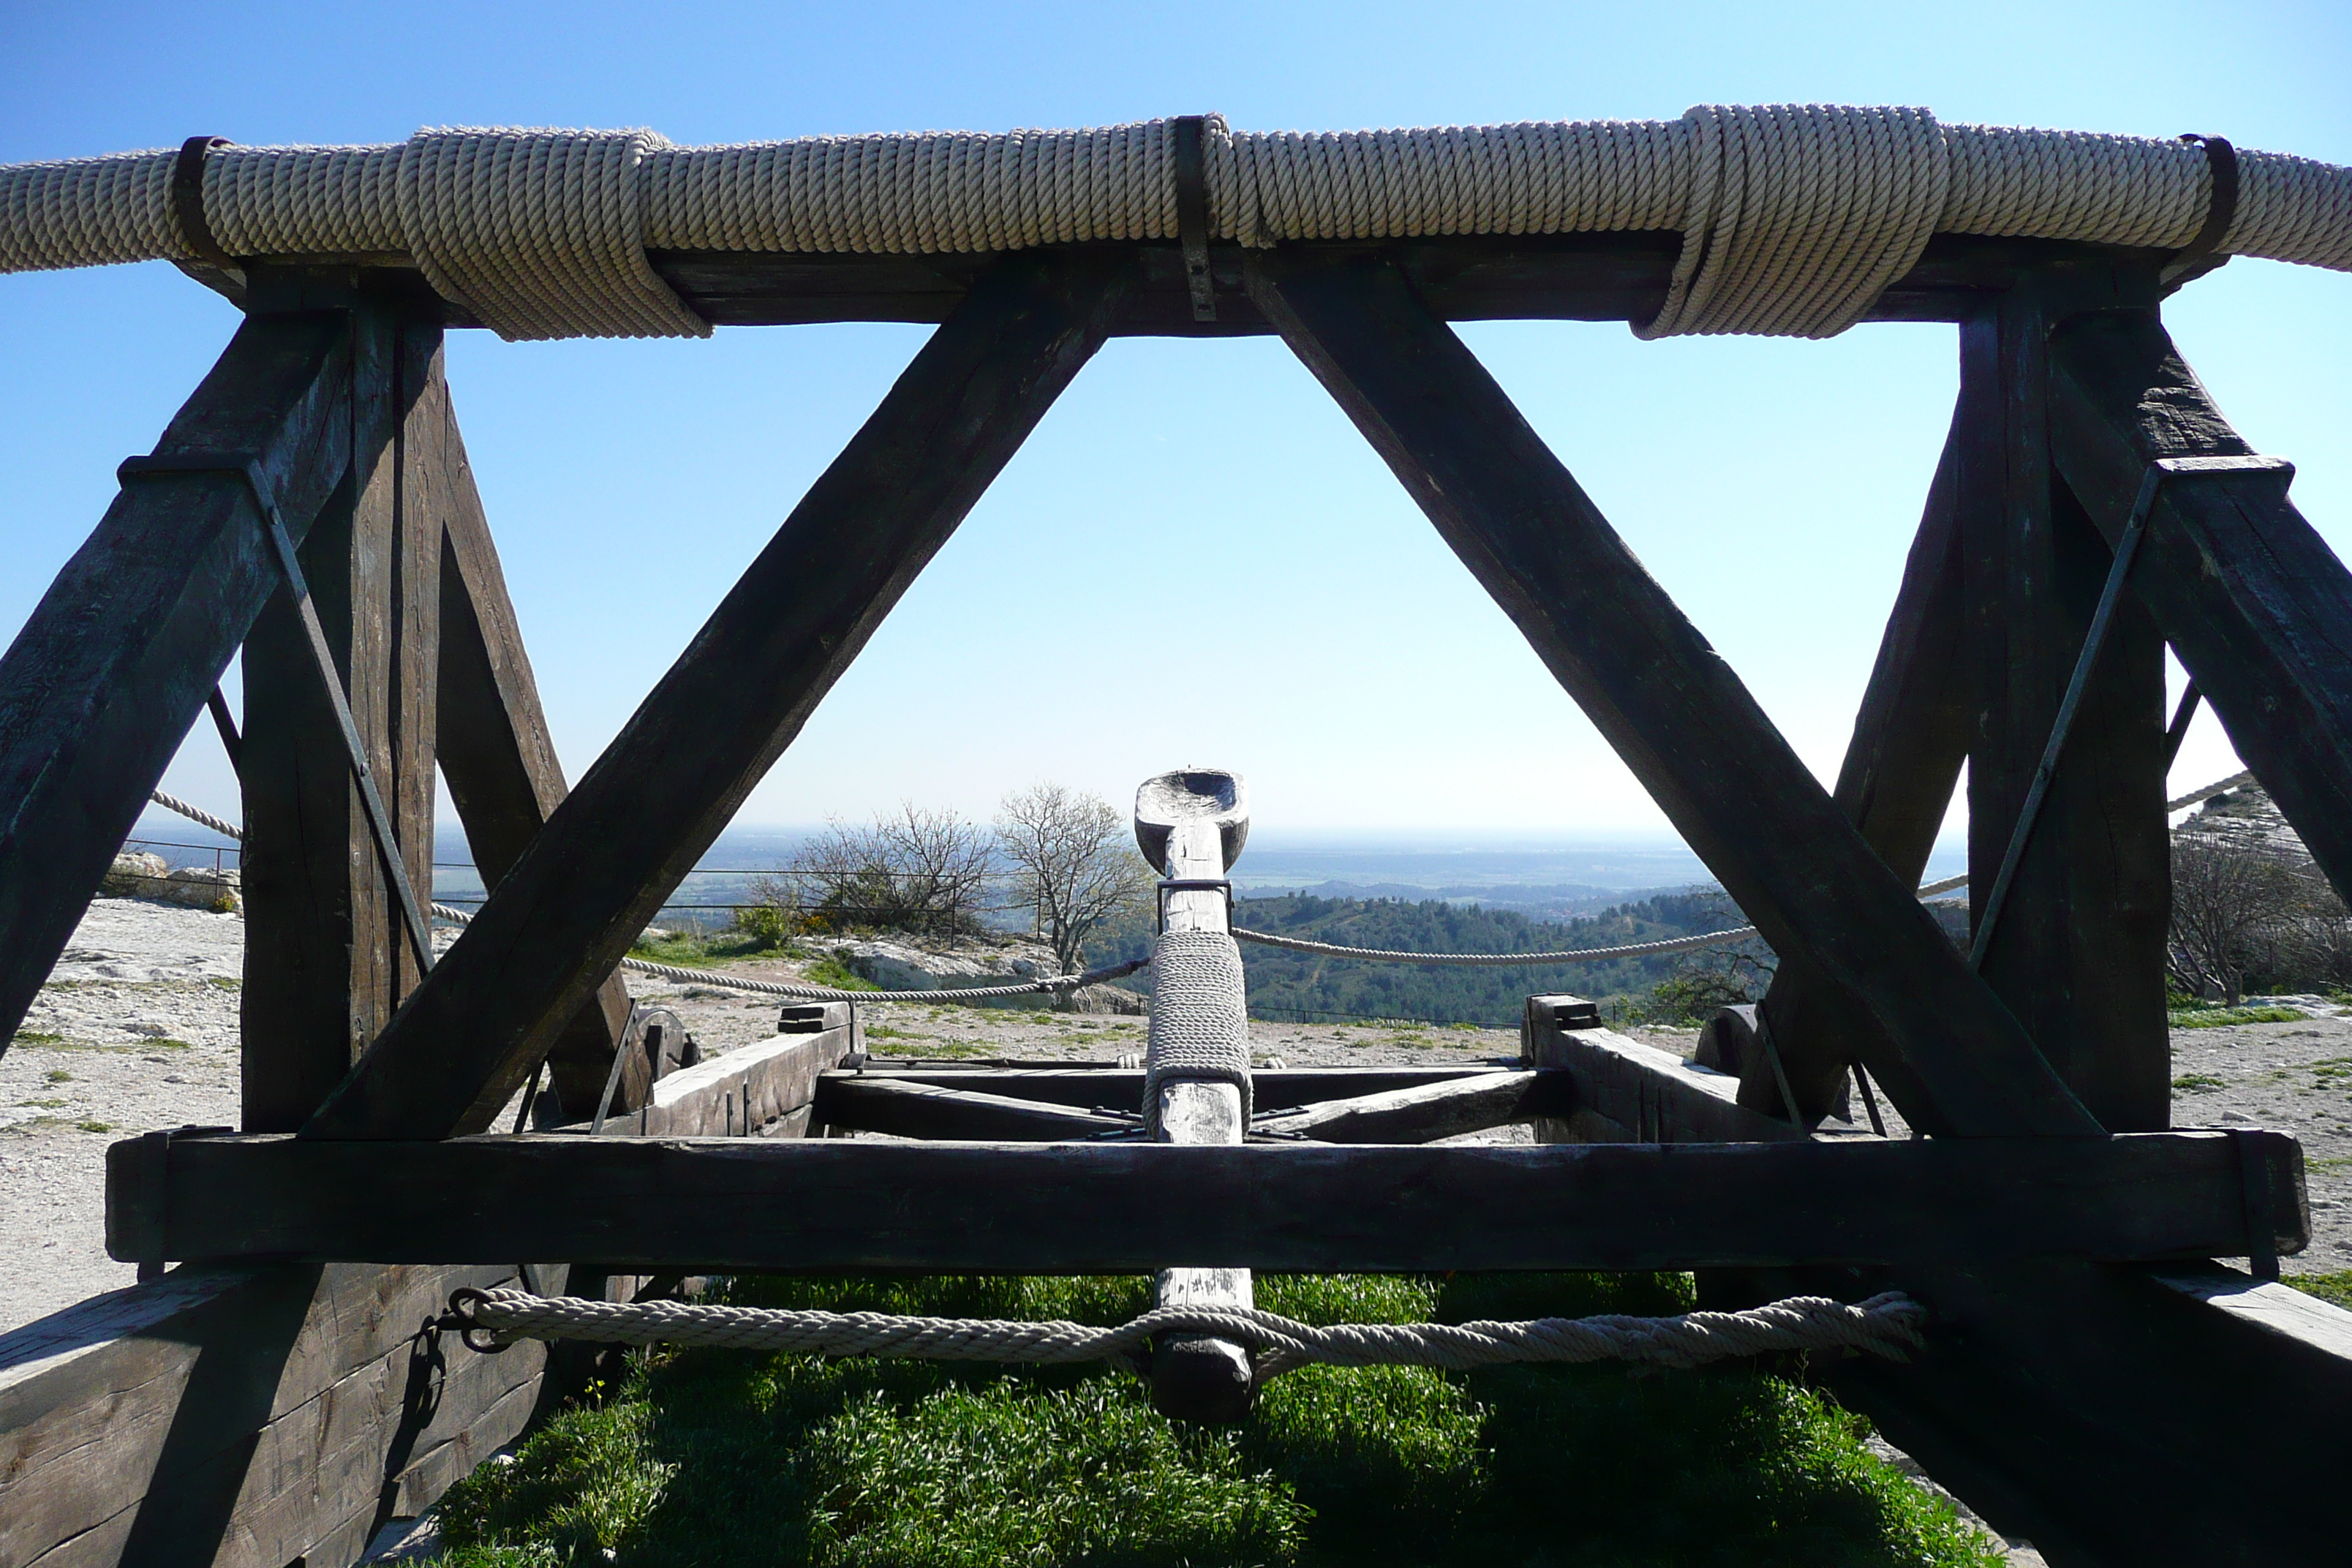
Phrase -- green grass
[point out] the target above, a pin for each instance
(2216, 1017)
(57, 1074)
(2197, 1083)
(35, 1038)
(840, 976)
(40, 1104)
(718, 1458)
(2336, 1288)
(696, 950)
(95, 1126)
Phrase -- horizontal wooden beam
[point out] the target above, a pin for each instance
(1086, 1088)
(905, 1109)
(1465, 277)
(1423, 1113)
(722, 1204)
(761, 1091)
(246, 1416)
(1627, 1092)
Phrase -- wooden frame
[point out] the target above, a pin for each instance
(2157, 1397)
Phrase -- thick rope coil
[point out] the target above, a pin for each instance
(196, 814)
(1793, 216)
(1888, 1325)
(1198, 1024)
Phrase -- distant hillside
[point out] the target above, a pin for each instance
(1290, 985)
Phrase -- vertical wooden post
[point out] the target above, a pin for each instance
(327, 956)
(2078, 954)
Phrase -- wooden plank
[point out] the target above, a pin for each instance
(1910, 741)
(2079, 953)
(252, 1417)
(117, 659)
(493, 742)
(2255, 604)
(328, 956)
(1684, 724)
(1087, 1087)
(904, 1109)
(1426, 1113)
(2120, 1416)
(733, 1204)
(1627, 1092)
(561, 918)
(752, 1091)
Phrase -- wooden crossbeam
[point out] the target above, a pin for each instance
(1626, 1093)
(117, 658)
(1910, 741)
(621, 842)
(1271, 1089)
(2255, 604)
(1684, 724)
(493, 744)
(1423, 1113)
(2078, 954)
(904, 1109)
(721, 1204)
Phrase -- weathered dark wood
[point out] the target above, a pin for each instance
(1627, 1092)
(904, 1109)
(1122, 1089)
(1910, 740)
(1684, 724)
(328, 957)
(728, 1204)
(754, 1091)
(117, 659)
(561, 918)
(1426, 1113)
(493, 742)
(2078, 954)
(245, 1416)
(2123, 1416)
(2256, 606)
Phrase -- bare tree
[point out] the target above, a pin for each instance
(2233, 905)
(1077, 864)
(914, 870)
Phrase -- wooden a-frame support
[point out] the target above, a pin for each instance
(2065, 373)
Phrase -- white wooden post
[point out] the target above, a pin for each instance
(1192, 824)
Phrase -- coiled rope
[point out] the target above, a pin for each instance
(1887, 1325)
(1793, 216)
(1516, 959)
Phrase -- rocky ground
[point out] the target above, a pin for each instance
(137, 1029)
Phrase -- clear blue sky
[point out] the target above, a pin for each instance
(1772, 485)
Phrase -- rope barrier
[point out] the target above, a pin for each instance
(1793, 216)
(1517, 959)
(1888, 1325)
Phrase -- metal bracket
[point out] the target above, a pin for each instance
(1195, 885)
(2221, 207)
(1189, 137)
(2127, 551)
(246, 466)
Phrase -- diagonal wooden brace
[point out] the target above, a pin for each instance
(1673, 709)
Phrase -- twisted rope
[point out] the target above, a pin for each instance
(196, 814)
(1793, 216)
(1516, 959)
(1887, 1325)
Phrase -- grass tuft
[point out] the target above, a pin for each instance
(2217, 1017)
(2336, 1288)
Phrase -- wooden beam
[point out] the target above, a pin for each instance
(1664, 699)
(117, 659)
(1910, 741)
(1087, 1088)
(1426, 1113)
(612, 853)
(765, 1090)
(733, 1204)
(494, 748)
(904, 1109)
(1626, 1093)
(246, 1416)
(2255, 604)
(327, 955)
(2078, 954)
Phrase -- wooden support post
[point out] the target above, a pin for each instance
(2078, 954)
(1910, 740)
(1956, 1061)
(119, 655)
(328, 957)
(2255, 604)
(561, 919)
(493, 744)
(1191, 824)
